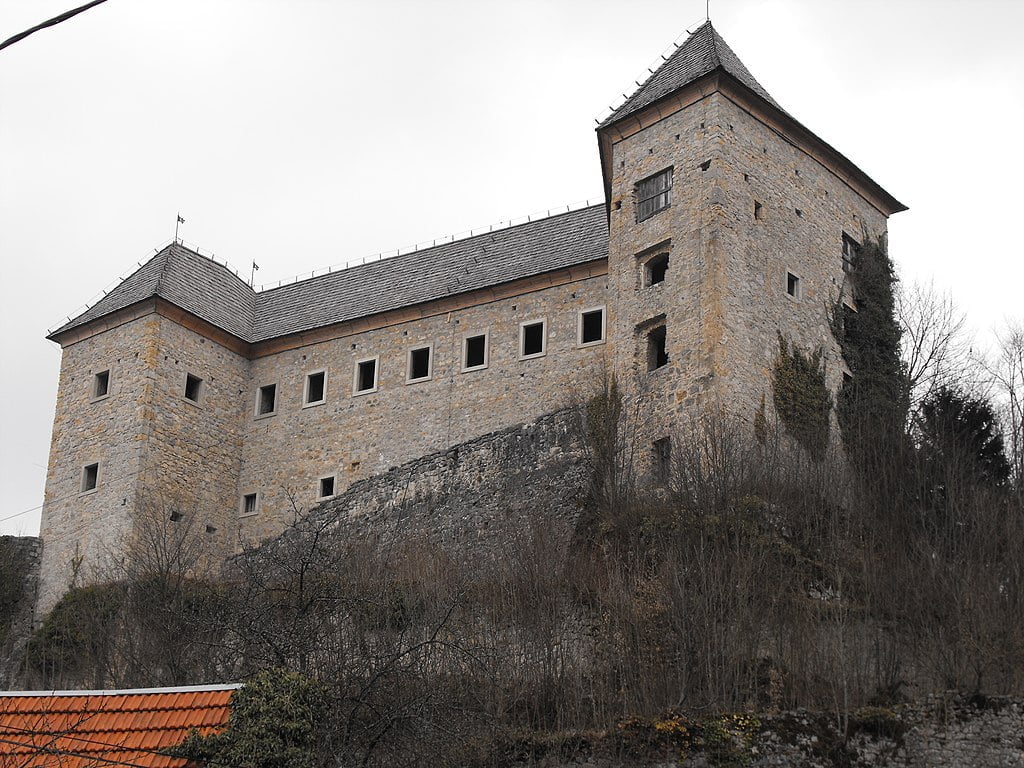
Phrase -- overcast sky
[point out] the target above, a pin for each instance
(302, 133)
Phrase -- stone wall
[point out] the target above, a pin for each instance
(20, 558)
(358, 436)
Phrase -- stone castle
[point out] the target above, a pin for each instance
(726, 222)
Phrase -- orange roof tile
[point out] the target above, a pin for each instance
(91, 729)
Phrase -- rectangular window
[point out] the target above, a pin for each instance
(266, 400)
(193, 387)
(793, 287)
(315, 390)
(655, 270)
(366, 376)
(850, 248)
(325, 487)
(591, 326)
(653, 194)
(532, 339)
(474, 352)
(420, 364)
(90, 477)
(757, 210)
(662, 461)
(100, 384)
(657, 348)
(249, 504)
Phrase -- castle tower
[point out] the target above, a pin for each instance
(728, 224)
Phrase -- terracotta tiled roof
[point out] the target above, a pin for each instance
(80, 729)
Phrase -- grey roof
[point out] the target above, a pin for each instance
(704, 51)
(215, 294)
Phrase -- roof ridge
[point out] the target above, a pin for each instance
(128, 691)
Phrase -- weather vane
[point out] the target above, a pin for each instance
(176, 225)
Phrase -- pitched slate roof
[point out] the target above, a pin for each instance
(213, 293)
(80, 729)
(704, 51)
(183, 277)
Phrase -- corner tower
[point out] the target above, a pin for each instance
(728, 221)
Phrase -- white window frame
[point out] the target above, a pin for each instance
(319, 484)
(306, 402)
(356, 392)
(82, 490)
(579, 326)
(798, 296)
(487, 351)
(202, 390)
(277, 400)
(93, 397)
(256, 507)
(430, 364)
(543, 322)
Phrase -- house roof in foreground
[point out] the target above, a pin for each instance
(213, 293)
(80, 729)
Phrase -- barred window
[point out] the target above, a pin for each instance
(850, 247)
(653, 194)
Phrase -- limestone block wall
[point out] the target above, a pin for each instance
(84, 531)
(192, 454)
(804, 209)
(688, 299)
(356, 436)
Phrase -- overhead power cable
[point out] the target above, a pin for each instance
(49, 23)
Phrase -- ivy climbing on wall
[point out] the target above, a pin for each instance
(801, 398)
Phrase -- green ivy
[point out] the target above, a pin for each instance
(801, 398)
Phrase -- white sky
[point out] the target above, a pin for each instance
(302, 133)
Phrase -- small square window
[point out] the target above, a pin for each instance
(249, 504)
(90, 477)
(655, 270)
(325, 488)
(657, 348)
(266, 400)
(532, 339)
(420, 364)
(365, 376)
(193, 387)
(315, 391)
(662, 461)
(793, 287)
(591, 326)
(474, 352)
(100, 384)
(653, 194)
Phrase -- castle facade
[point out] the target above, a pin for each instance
(185, 393)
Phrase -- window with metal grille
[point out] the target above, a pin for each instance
(653, 194)
(249, 504)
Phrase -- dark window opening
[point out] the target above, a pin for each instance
(90, 477)
(653, 194)
(850, 248)
(326, 487)
(533, 339)
(267, 401)
(705, 165)
(366, 376)
(176, 516)
(476, 351)
(249, 504)
(662, 461)
(757, 210)
(211, 528)
(657, 350)
(657, 269)
(101, 384)
(316, 387)
(193, 385)
(592, 326)
(793, 285)
(419, 363)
